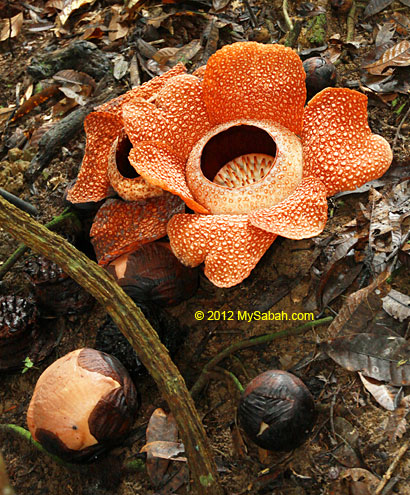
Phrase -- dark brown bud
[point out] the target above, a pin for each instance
(153, 274)
(277, 411)
(320, 74)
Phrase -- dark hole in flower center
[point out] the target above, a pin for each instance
(232, 143)
(121, 157)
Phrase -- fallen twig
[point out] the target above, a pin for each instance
(388, 474)
(20, 203)
(244, 344)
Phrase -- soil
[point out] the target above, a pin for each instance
(283, 282)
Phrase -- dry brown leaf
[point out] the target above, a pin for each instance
(116, 29)
(161, 427)
(365, 481)
(74, 77)
(359, 308)
(165, 450)
(383, 394)
(69, 7)
(396, 56)
(383, 357)
(10, 28)
(376, 6)
(36, 100)
(397, 424)
(397, 305)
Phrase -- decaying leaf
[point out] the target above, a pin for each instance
(383, 357)
(383, 394)
(386, 33)
(397, 424)
(359, 308)
(397, 305)
(396, 56)
(161, 428)
(36, 100)
(345, 453)
(10, 28)
(69, 7)
(335, 280)
(362, 477)
(165, 450)
(376, 6)
(385, 231)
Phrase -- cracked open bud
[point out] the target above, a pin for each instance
(277, 411)
(83, 404)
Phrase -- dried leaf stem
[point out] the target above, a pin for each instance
(245, 344)
(131, 321)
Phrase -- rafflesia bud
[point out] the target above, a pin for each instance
(277, 411)
(83, 404)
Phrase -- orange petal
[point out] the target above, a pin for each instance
(146, 91)
(161, 167)
(92, 183)
(303, 214)
(120, 227)
(338, 145)
(123, 178)
(254, 81)
(178, 118)
(228, 244)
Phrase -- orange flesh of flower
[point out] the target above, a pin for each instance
(92, 183)
(244, 170)
(303, 214)
(123, 177)
(228, 244)
(120, 227)
(163, 168)
(338, 145)
(253, 81)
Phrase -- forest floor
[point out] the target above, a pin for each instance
(359, 434)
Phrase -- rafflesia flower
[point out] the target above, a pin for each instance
(236, 144)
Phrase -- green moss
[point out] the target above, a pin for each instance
(316, 30)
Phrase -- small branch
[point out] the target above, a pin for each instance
(351, 21)
(19, 252)
(131, 321)
(388, 474)
(288, 20)
(245, 344)
(231, 376)
(5, 487)
(20, 203)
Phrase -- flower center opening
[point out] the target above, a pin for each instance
(121, 157)
(238, 156)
